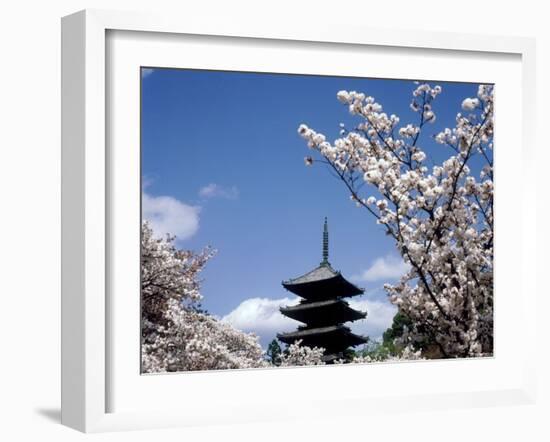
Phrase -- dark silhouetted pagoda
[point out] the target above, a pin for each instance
(323, 309)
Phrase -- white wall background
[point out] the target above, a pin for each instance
(30, 217)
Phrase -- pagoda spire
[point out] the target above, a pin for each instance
(325, 262)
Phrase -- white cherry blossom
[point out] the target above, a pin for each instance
(441, 221)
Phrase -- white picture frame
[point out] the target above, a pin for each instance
(86, 207)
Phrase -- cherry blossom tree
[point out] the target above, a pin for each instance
(441, 217)
(176, 334)
(168, 274)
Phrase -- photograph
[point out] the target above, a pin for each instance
(293, 220)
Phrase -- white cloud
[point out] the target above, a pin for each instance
(262, 316)
(145, 72)
(214, 190)
(169, 215)
(379, 318)
(389, 267)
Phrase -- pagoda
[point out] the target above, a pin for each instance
(323, 309)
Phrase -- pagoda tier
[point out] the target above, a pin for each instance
(335, 339)
(322, 309)
(322, 313)
(323, 282)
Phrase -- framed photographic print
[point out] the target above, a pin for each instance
(316, 216)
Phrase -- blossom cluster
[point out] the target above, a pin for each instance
(407, 354)
(440, 216)
(197, 341)
(297, 355)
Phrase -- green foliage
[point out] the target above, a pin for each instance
(375, 350)
(273, 352)
(349, 354)
(387, 347)
(429, 347)
(395, 331)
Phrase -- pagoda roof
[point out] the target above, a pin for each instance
(331, 338)
(323, 272)
(324, 312)
(311, 284)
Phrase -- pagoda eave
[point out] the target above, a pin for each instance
(323, 312)
(331, 338)
(336, 286)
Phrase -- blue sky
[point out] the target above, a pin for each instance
(222, 165)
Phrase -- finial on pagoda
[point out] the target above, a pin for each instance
(325, 262)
